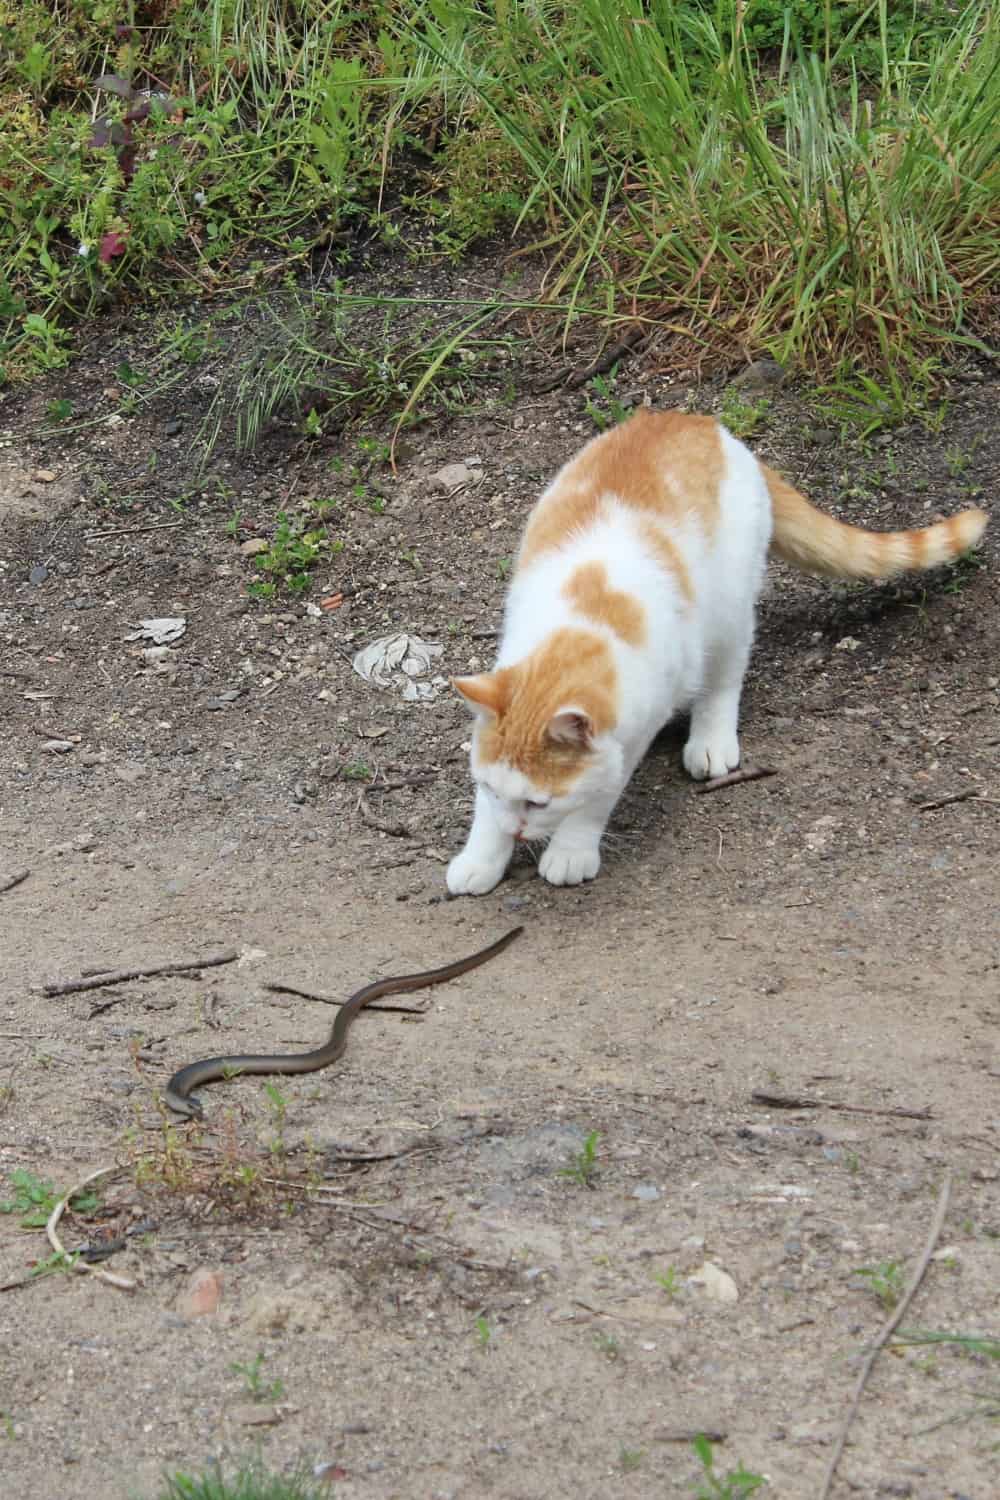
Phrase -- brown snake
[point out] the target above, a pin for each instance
(178, 1091)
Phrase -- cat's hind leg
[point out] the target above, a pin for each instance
(486, 855)
(713, 745)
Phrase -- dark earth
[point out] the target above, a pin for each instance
(442, 1308)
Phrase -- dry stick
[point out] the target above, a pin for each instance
(289, 989)
(734, 778)
(803, 1101)
(124, 1282)
(571, 379)
(395, 830)
(129, 530)
(120, 976)
(98, 1010)
(885, 1333)
(10, 881)
(966, 795)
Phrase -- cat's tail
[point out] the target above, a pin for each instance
(817, 543)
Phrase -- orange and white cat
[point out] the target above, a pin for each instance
(633, 600)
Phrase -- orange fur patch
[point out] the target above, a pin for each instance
(819, 543)
(589, 591)
(572, 667)
(662, 547)
(667, 465)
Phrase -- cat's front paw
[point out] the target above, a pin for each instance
(561, 866)
(472, 875)
(705, 758)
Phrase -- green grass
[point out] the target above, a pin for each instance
(249, 1483)
(34, 1199)
(737, 1484)
(816, 182)
(583, 1168)
(257, 1387)
(885, 1280)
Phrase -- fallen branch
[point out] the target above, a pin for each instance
(886, 1332)
(968, 794)
(124, 1282)
(376, 1005)
(98, 1010)
(572, 380)
(121, 976)
(734, 778)
(395, 830)
(804, 1101)
(93, 536)
(10, 881)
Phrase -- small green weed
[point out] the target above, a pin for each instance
(7, 1424)
(34, 1199)
(608, 1345)
(629, 1459)
(257, 1387)
(55, 1263)
(735, 1485)
(669, 1280)
(963, 570)
(484, 1332)
(885, 1280)
(741, 415)
(583, 1167)
(357, 770)
(294, 550)
(611, 412)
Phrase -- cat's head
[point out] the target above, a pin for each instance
(543, 744)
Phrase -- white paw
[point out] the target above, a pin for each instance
(561, 866)
(705, 758)
(471, 875)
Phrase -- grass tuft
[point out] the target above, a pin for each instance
(816, 183)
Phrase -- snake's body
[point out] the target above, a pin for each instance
(178, 1091)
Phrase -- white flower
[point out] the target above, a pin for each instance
(200, 198)
(83, 250)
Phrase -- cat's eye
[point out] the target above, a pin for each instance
(536, 806)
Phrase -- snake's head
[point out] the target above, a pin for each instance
(185, 1104)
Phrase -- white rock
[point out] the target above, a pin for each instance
(716, 1284)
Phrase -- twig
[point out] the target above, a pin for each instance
(688, 1434)
(887, 1330)
(966, 795)
(571, 379)
(395, 830)
(29, 1280)
(734, 778)
(99, 1010)
(289, 989)
(10, 881)
(124, 1282)
(129, 530)
(120, 976)
(804, 1101)
(425, 779)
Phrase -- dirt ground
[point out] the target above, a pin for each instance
(439, 1310)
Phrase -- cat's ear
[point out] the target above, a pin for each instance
(571, 726)
(483, 693)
